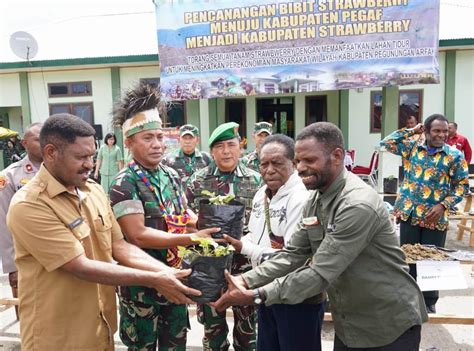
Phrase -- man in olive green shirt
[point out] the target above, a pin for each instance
(344, 244)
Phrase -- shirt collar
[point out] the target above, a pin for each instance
(239, 171)
(444, 148)
(196, 153)
(334, 189)
(53, 186)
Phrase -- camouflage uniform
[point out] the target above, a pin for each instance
(145, 315)
(186, 165)
(252, 161)
(243, 183)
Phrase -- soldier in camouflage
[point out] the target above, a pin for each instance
(187, 159)
(226, 175)
(149, 203)
(260, 132)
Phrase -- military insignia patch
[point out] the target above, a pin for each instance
(28, 168)
(3, 182)
(23, 181)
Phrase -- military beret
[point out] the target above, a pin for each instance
(226, 131)
(189, 129)
(261, 127)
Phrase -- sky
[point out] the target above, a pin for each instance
(96, 28)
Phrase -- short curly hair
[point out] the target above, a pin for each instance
(64, 128)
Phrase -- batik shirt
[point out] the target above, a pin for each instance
(129, 195)
(252, 161)
(431, 178)
(186, 165)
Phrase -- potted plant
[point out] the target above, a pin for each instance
(390, 185)
(223, 212)
(208, 261)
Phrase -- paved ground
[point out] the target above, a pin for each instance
(434, 336)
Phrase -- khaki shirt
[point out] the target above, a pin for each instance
(50, 227)
(355, 256)
(12, 179)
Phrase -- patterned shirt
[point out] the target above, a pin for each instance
(252, 161)
(431, 178)
(129, 195)
(186, 165)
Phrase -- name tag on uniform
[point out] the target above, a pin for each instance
(75, 223)
(311, 221)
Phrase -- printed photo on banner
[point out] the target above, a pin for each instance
(225, 48)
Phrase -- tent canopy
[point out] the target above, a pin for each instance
(7, 133)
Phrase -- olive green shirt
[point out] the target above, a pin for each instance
(354, 255)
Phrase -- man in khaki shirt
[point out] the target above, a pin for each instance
(66, 239)
(344, 243)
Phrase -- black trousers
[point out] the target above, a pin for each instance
(413, 234)
(408, 341)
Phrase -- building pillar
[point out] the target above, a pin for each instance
(204, 122)
(450, 86)
(25, 100)
(388, 163)
(115, 79)
(344, 115)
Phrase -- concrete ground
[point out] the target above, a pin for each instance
(434, 336)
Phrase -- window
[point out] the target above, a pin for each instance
(235, 112)
(316, 107)
(84, 110)
(70, 89)
(154, 82)
(176, 115)
(375, 111)
(410, 104)
(279, 112)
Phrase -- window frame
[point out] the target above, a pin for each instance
(69, 88)
(401, 123)
(71, 105)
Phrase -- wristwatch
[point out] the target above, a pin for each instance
(257, 297)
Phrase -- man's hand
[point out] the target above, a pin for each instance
(419, 128)
(207, 233)
(434, 213)
(236, 294)
(96, 175)
(168, 284)
(237, 244)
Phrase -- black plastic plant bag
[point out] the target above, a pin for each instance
(230, 218)
(207, 275)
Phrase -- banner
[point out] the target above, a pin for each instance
(216, 48)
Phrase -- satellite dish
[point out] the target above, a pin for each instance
(23, 45)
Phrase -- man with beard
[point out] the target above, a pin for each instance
(224, 176)
(345, 244)
(276, 210)
(436, 180)
(12, 179)
(187, 159)
(150, 206)
(67, 244)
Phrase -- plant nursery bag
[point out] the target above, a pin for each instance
(230, 218)
(207, 275)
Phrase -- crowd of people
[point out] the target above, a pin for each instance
(313, 231)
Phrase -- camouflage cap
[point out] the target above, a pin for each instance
(189, 129)
(261, 127)
(225, 131)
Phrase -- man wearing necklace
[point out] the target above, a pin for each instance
(226, 175)
(436, 178)
(67, 243)
(150, 206)
(276, 209)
